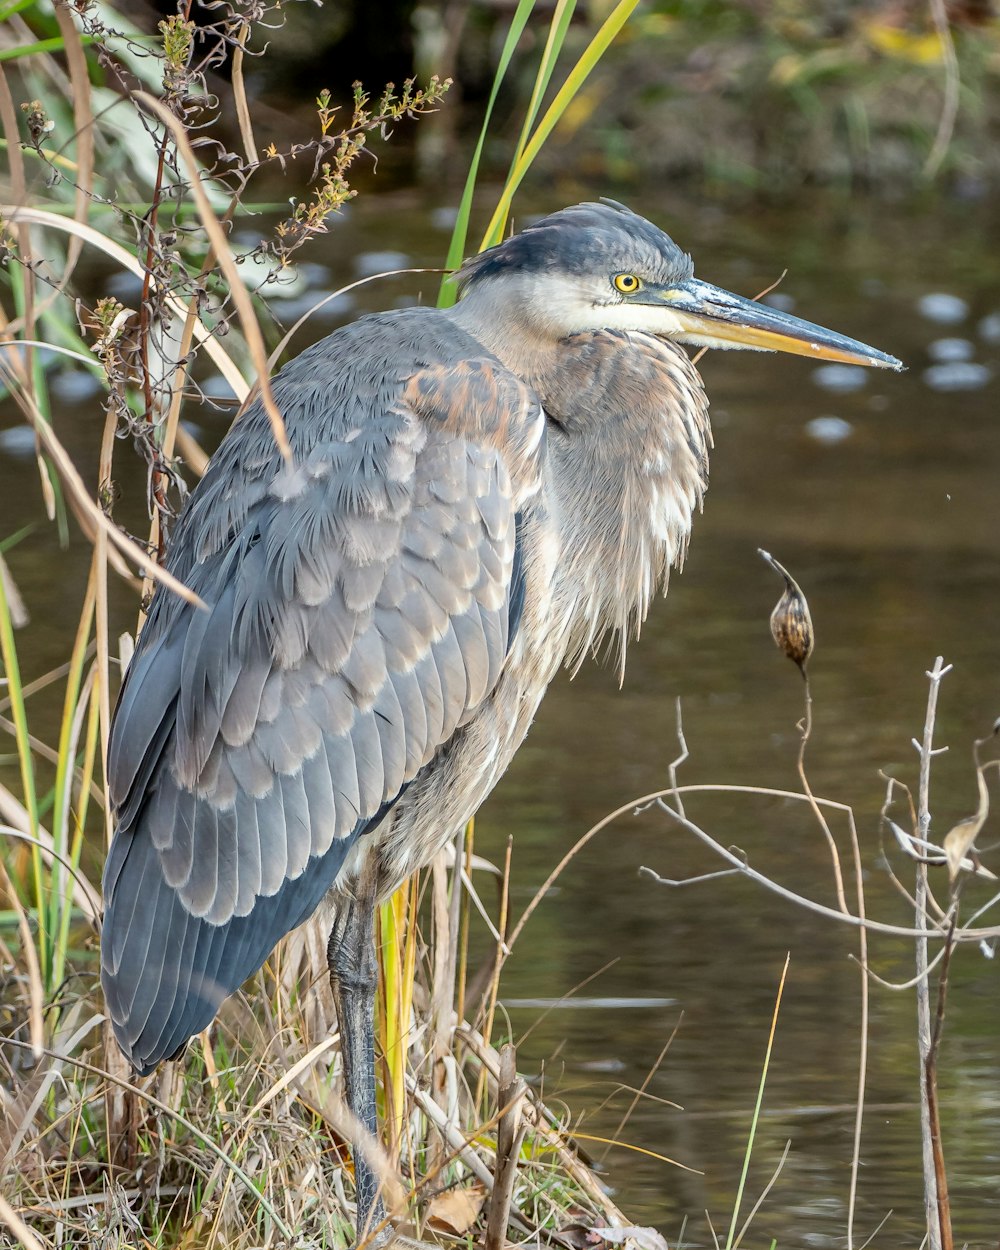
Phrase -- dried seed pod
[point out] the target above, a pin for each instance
(791, 624)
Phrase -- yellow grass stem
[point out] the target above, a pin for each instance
(398, 955)
(575, 79)
(89, 762)
(639, 1150)
(15, 692)
(558, 26)
(69, 846)
(757, 1106)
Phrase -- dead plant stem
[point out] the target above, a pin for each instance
(929, 1126)
(859, 1113)
(930, 1077)
(510, 1134)
(805, 734)
(952, 87)
(498, 961)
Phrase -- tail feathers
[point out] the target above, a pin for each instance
(165, 972)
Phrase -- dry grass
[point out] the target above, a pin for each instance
(243, 1143)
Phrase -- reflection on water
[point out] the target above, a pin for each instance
(880, 495)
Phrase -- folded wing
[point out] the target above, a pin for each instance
(359, 609)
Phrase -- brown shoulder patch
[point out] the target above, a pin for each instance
(483, 402)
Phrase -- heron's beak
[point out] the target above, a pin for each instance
(712, 317)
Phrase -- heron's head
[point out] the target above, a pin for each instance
(601, 266)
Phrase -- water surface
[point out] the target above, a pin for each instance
(883, 501)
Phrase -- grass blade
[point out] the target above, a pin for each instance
(561, 17)
(56, 44)
(69, 846)
(15, 692)
(577, 76)
(460, 233)
(757, 1106)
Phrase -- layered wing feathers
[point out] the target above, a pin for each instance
(358, 611)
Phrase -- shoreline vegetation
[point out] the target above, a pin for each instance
(732, 98)
(114, 148)
(763, 99)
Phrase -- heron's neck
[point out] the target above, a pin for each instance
(626, 470)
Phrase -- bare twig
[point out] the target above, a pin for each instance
(739, 861)
(930, 1127)
(679, 758)
(510, 1133)
(237, 289)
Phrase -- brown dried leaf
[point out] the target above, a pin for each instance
(456, 1210)
(959, 841)
(791, 624)
(962, 837)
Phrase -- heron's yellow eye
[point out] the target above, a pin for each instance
(627, 283)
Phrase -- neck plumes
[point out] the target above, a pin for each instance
(626, 468)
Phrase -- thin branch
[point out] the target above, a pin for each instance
(928, 1128)
(741, 864)
(237, 289)
(897, 986)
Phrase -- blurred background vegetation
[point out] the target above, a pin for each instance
(735, 95)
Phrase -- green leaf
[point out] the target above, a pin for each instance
(15, 6)
(561, 16)
(577, 76)
(460, 233)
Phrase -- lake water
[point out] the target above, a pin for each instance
(882, 499)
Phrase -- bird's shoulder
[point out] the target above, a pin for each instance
(416, 359)
(409, 378)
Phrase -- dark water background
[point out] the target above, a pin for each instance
(891, 523)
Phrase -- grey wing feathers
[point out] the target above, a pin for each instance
(359, 608)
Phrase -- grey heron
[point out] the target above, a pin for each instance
(476, 497)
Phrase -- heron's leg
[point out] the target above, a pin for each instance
(354, 976)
